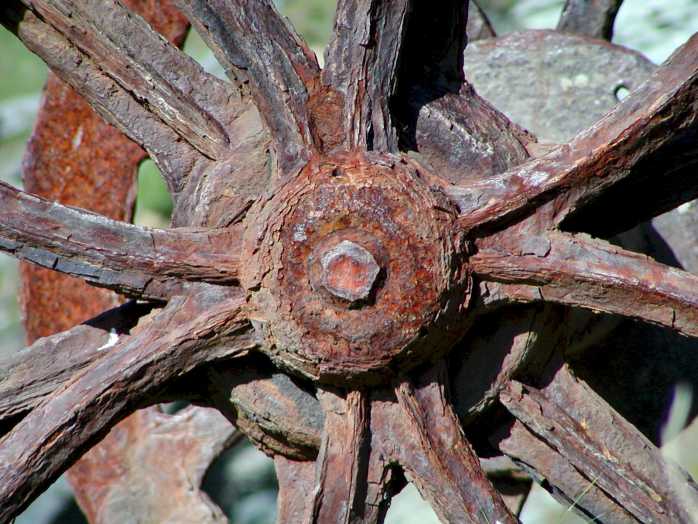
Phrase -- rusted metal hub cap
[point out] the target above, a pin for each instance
(355, 269)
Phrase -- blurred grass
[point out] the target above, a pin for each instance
(21, 73)
(244, 483)
(153, 202)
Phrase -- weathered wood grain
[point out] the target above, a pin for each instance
(341, 484)
(33, 373)
(266, 59)
(112, 101)
(359, 461)
(579, 271)
(362, 63)
(75, 416)
(296, 480)
(608, 451)
(134, 260)
(641, 154)
(170, 84)
(436, 456)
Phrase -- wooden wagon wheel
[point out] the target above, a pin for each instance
(341, 241)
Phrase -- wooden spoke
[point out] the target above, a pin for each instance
(274, 411)
(419, 103)
(132, 471)
(492, 354)
(364, 61)
(114, 104)
(57, 431)
(438, 459)
(460, 136)
(222, 194)
(351, 478)
(361, 64)
(558, 475)
(134, 260)
(155, 102)
(32, 374)
(296, 481)
(171, 84)
(177, 87)
(261, 53)
(592, 18)
(333, 294)
(478, 26)
(640, 157)
(440, 116)
(579, 271)
(619, 464)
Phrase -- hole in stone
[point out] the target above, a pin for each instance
(153, 202)
(621, 92)
(242, 482)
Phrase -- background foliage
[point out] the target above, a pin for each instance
(243, 481)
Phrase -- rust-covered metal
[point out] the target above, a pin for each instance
(73, 157)
(136, 456)
(379, 204)
(391, 234)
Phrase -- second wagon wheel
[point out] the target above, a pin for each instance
(349, 243)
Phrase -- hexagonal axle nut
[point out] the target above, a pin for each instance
(349, 271)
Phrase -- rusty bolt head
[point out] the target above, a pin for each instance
(349, 271)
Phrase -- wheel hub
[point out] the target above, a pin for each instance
(355, 268)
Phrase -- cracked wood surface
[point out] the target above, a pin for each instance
(75, 158)
(296, 480)
(266, 59)
(576, 270)
(74, 417)
(170, 106)
(351, 477)
(78, 159)
(423, 402)
(30, 375)
(170, 84)
(626, 474)
(114, 103)
(134, 260)
(436, 456)
(361, 64)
